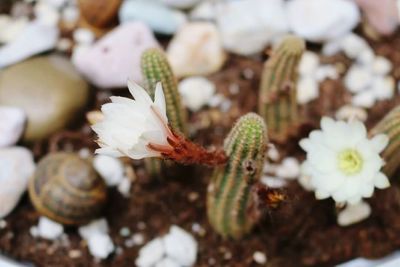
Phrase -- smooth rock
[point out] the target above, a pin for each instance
(259, 257)
(46, 14)
(307, 90)
(382, 15)
(196, 50)
(124, 187)
(247, 26)
(115, 58)
(83, 36)
(196, 92)
(13, 177)
(289, 168)
(40, 38)
(327, 71)
(184, 4)
(365, 99)
(180, 246)
(349, 112)
(273, 182)
(205, 10)
(151, 253)
(381, 66)
(99, 226)
(354, 213)
(49, 229)
(167, 262)
(322, 20)
(12, 125)
(10, 28)
(354, 45)
(358, 78)
(48, 89)
(158, 17)
(100, 245)
(383, 88)
(309, 63)
(110, 169)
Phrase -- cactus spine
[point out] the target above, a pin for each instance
(278, 97)
(155, 68)
(229, 192)
(390, 125)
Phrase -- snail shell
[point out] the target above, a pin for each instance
(99, 13)
(67, 189)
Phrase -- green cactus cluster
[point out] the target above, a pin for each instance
(155, 68)
(229, 192)
(390, 125)
(277, 95)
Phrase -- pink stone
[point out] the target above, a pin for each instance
(115, 58)
(382, 15)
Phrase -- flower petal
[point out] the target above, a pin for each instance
(140, 95)
(379, 142)
(159, 100)
(381, 181)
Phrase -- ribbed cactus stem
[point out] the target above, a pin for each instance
(390, 125)
(155, 68)
(229, 195)
(278, 97)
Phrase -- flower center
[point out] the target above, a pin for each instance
(350, 161)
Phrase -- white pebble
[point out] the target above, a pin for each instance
(124, 187)
(100, 245)
(151, 253)
(366, 57)
(381, 66)
(272, 152)
(167, 262)
(383, 87)
(324, 72)
(196, 92)
(364, 99)
(110, 169)
(70, 15)
(124, 232)
(348, 113)
(181, 246)
(138, 239)
(12, 125)
(259, 257)
(46, 14)
(358, 78)
(205, 10)
(289, 169)
(3, 224)
(49, 229)
(307, 90)
(94, 227)
(353, 45)
(309, 63)
(216, 100)
(64, 44)
(11, 28)
(83, 36)
(273, 182)
(354, 213)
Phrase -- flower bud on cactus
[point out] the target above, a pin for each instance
(390, 125)
(229, 195)
(278, 99)
(155, 68)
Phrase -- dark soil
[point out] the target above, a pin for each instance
(302, 232)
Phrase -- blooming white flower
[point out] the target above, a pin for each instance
(129, 125)
(342, 162)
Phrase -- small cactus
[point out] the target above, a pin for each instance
(278, 97)
(390, 125)
(229, 196)
(155, 68)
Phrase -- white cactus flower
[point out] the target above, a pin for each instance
(129, 125)
(342, 162)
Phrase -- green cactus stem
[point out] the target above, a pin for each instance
(390, 125)
(229, 195)
(277, 95)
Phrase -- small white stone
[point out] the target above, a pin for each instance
(40, 38)
(259, 257)
(269, 168)
(322, 20)
(138, 239)
(34, 231)
(64, 44)
(309, 63)
(100, 245)
(289, 169)
(3, 224)
(381, 66)
(151, 253)
(124, 232)
(354, 213)
(180, 246)
(205, 10)
(124, 187)
(94, 227)
(70, 15)
(167, 262)
(246, 27)
(353, 45)
(348, 113)
(12, 125)
(196, 92)
(365, 99)
(110, 169)
(358, 78)
(273, 182)
(46, 14)
(366, 57)
(55, 3)
(226, 105)
(272, 152)
(196, 49)
(216, 100)
(383, 87)
(307, 90)
(49, 229)
(11, 28)
(184, 4)
(326, 72)
(332, 47)
(83, 36)
(16, 167)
